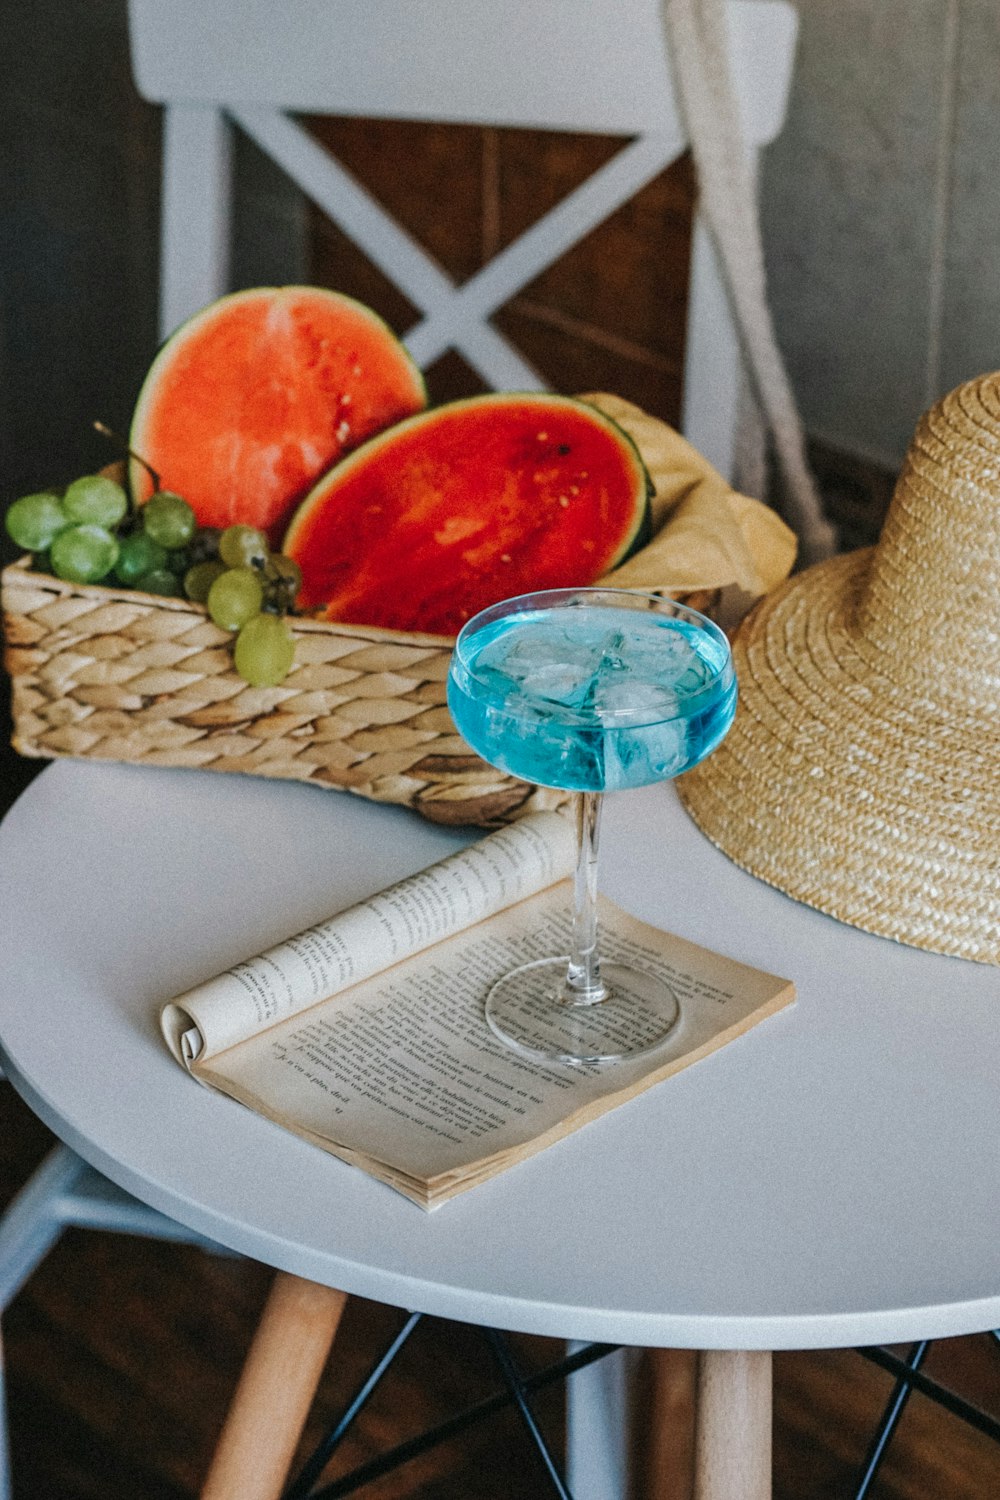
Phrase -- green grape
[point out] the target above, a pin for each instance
(205, 544)
(199, 578)
(35, 520)
(234, 598)
(160, 581)
(168, 519)
(265, 650)
(97, 500)
(84, 554)
(241, 546)
(138, 554)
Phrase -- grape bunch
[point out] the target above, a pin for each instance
(90, 533)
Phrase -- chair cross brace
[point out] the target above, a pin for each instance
(909, 1378)
(452, 316)
(517, 1391)
(894, 1408)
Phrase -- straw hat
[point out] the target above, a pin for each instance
(862, 774)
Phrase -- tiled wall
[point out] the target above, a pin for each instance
(881, 212)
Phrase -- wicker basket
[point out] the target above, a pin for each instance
(121, 675)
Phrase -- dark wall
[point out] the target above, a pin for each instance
(78, 237)
(79, 228)
(79, 155)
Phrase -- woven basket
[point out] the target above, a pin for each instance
(116, 674)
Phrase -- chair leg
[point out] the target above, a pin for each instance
(5, 1481)
(733, 1426)
(668, 1439)
(33, 1220)
(275, 1390)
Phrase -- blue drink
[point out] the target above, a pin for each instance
(589, 690)
(596, 698)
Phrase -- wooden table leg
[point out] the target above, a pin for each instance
(275, 1391)
(733, 1426)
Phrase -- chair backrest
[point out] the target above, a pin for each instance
(579, 65)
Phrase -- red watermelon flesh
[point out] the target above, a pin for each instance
(252, 399)
(466, 504)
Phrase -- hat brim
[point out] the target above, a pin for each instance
(850, 790)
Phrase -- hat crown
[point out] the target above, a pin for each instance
(862, 772)
(930, 607)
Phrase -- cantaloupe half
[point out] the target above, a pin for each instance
(466, 504)
(254, 397)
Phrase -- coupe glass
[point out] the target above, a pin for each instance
(590, 690)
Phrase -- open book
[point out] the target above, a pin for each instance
(366, 1035)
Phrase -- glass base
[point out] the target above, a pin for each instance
(528, 1011)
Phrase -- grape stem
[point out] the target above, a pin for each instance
(123, 447)
(276, 597)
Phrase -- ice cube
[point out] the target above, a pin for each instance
(561, 683)
(663, 653)
(640, 757)
(519, 654)
(559, 676)
(618, 696)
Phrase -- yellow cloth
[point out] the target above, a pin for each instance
(706, 535)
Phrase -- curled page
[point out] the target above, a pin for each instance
(406, 918)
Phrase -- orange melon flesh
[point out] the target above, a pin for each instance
(466, 504)
(252, 399)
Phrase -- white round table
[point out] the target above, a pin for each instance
(828, 1179)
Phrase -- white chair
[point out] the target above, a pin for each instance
(570, 65)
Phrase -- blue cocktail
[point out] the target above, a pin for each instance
(589, 690)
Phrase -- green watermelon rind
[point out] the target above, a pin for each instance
(633, 541)
(138, 473)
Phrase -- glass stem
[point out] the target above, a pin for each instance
(583, 977)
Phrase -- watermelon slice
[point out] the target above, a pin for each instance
(253, 398)
(466, 504)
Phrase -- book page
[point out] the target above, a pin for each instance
(402, 1075)
(406, 918)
